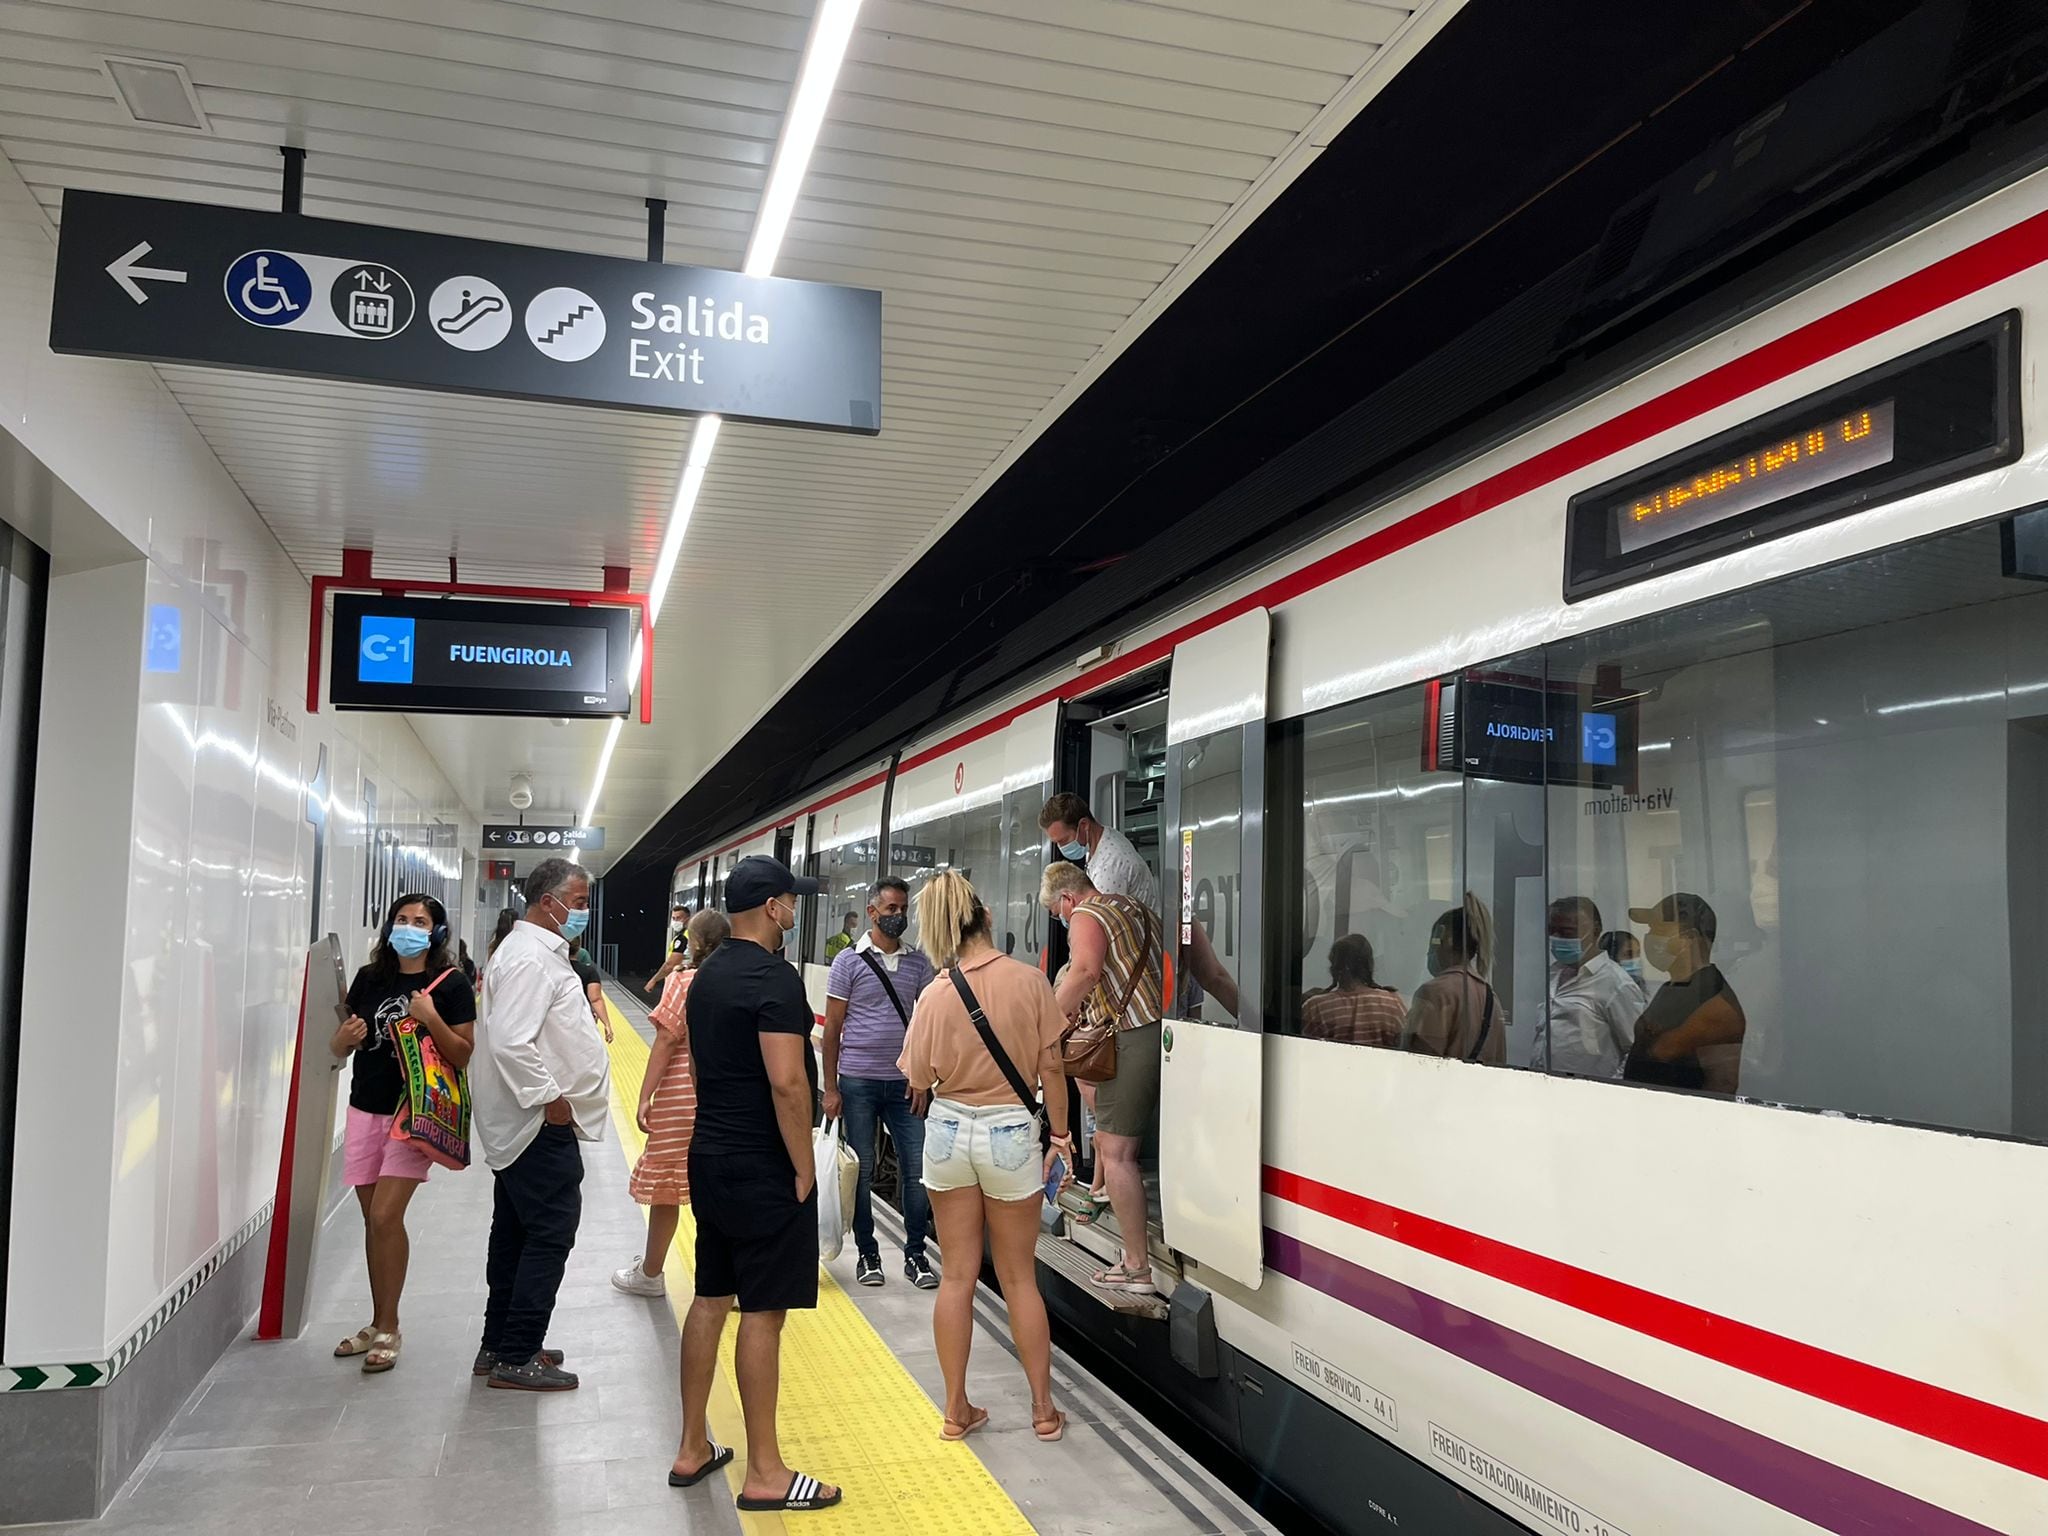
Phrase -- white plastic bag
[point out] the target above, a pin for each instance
(838, 1182)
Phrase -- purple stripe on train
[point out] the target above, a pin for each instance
(1831, 1497)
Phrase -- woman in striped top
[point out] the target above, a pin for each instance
(667, 1114)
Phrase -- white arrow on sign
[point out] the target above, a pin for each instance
(124, 271)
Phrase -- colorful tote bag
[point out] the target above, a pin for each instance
(434, 1114)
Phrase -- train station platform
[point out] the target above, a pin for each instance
(287, 1440)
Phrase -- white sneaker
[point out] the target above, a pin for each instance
(635, 1281)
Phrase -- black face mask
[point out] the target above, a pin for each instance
(893, 924)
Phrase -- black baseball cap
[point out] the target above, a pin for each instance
(1682, 908)
(758, 879)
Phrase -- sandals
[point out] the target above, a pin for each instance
(805, 1493)
(1121, 1277)
(953, 1429)
(1082, 1206)
(357, 1343)
(721, 1457)
(382, 1353)
(1048, 1426)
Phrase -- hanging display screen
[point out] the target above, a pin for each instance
(1522, 731)
(1938, 414)
(442, 656)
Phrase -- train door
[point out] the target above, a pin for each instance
(1213, 1058)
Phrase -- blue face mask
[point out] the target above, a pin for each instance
(1076, 850)
(1634, 968)
(1566, 951)
(409, 941)
(574, 922)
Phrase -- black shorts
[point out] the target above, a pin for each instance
(754, 1239)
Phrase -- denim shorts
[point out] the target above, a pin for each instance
(994, 1146)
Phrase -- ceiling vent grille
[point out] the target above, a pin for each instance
(156, 95)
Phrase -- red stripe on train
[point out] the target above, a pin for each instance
(1983, 1429)
(1952, 278)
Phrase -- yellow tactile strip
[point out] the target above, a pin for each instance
(850, 1413)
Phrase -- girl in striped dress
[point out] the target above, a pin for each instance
(667, 1114)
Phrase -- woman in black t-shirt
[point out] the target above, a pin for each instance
(411, 974)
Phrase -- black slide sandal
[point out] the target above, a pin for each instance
(804, 1494)
(721, 1457)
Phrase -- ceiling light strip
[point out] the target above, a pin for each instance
(818, 74)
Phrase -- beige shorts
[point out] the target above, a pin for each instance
(1128, 1104)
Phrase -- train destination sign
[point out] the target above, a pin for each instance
(1935, 415)
(451, 656)
(178, 282)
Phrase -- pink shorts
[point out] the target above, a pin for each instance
(368, 1153)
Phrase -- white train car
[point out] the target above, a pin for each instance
(1763, 626)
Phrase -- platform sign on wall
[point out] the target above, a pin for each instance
(450, 656)
(235, 288)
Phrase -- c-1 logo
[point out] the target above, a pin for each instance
(385, 652)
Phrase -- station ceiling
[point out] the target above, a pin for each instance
(1029, 192)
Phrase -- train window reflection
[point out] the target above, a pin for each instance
(1378, 852)
(969, 841)
(1788, 844)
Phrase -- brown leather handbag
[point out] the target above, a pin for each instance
(1088, 1051)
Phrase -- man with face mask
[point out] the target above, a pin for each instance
(1690, 1036)
(541, 1081)
(1594, 1003)
(868, 997)
(1113, 864)
(753, 1183)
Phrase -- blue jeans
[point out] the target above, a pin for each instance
(886, 1100)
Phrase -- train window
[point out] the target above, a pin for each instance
(1021, 920)
(1829, 831)
(846, 873)
(1419, 923)
(1788, 844)
(970, 841)
(1208, 875)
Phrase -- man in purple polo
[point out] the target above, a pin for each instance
(868, 997)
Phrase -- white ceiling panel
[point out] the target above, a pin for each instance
(1027, 186)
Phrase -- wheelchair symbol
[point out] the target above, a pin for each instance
(268, 288)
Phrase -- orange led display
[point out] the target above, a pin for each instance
(1817, 453)
(1801, 448)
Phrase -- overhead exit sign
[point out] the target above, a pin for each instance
(177, 282)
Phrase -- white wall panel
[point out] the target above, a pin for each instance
(172, 814)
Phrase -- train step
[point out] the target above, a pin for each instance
(1078, 1266)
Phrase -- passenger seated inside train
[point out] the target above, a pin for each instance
(1355, 1009)
(1457, 1013)
(1690, 1035)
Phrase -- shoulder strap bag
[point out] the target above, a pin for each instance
(1088, 1052)
(433, 1113)
(1485, 1025)
(882, 975)
(995, 1048)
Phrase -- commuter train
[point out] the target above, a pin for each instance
(1763, 625)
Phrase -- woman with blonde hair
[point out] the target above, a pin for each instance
(1457, 1013)
(984, 1041)
(667, 1115)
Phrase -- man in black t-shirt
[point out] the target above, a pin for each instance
(752, 1181)
(1690, 1036)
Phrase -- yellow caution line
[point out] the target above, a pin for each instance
(850, 1413)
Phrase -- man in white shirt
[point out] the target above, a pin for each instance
(1114, 866)
(541, 1081)
(1594, 1003)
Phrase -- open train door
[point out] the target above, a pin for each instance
(1213, 1068)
